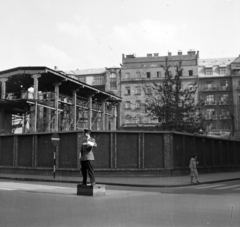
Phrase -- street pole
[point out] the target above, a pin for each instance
(54, 161)
(55, 140)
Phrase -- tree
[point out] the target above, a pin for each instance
(173, 106)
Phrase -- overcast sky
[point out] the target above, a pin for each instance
(84, 34)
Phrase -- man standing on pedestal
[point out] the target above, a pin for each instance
(86, 157)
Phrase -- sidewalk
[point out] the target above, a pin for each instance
(146, 181)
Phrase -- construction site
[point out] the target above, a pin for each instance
(39, 99)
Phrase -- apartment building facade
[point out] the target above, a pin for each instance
(139, 73)
(216, 91)
(218, 81)
(235, 73)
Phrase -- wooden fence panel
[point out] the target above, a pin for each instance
(127, 150)
(102, 153)
(6, 151)
(44, 151)
(153, 150)
(67, 155)
(25, 150)
(179, 150)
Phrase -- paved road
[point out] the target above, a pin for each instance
(56, 204)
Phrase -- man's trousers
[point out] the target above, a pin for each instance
(87, 169)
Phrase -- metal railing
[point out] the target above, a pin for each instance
(213, 88)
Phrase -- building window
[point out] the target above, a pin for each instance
(128, 119)
(127, 75)
(158, 74)
(148, 90)
(180, 73)
(190, 72)
(225, 113)
(138, 119)
(148, 74)
(226, 125)
(127, 91)
(138, 74)
(222, 70)
(211, 126)
(113, 81)
(209, 85)
(223, 84)
(210, 114)
(138, 90)
(224, 98)
(138, 105)
(210, 98)
(127, 105)
(99, 80)
(209, 71)
(82, 79)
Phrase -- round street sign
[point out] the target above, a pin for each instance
(55, 139)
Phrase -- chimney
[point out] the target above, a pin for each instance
(179, 52)
(169, 53)
(149, 55)
(55, 68)
(191, 52)
(155, 54)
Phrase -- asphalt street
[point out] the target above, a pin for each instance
(39, 204)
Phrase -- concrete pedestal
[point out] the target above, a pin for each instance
(91, 190)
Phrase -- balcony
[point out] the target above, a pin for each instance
(224, 103)
(224, 117)
(224, 88)
(209, 88)
(208, 103)
(210, 117)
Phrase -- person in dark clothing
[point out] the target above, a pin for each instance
(86, 157)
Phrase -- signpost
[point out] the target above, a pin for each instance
(55, 140)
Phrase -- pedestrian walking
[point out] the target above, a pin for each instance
(86, 157)
(193, 169)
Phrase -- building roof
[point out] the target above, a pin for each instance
(237, 60)
(210, 62)
(236, 63)
(157, 61)
(160, 58)
(22, 77)
(81, 72)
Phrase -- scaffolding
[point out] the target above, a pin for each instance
(38, 99)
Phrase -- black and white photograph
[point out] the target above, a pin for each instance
(120, 113)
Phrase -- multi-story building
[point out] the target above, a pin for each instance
(218, 81)
(107, 79)
(138, 73)
(216, 90)
(235, 68)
